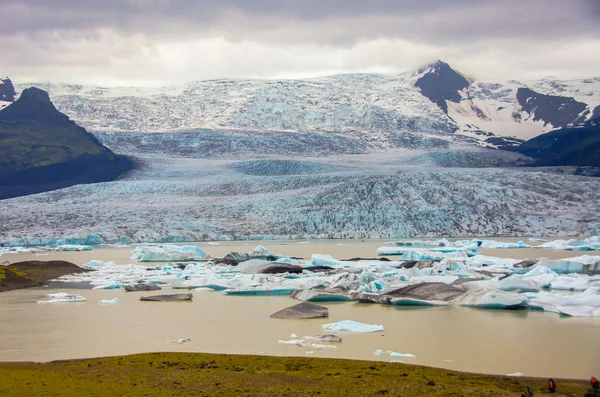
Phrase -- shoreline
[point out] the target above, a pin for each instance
(165, 374)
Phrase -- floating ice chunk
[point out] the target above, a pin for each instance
(354, 326)
(114, 285)
(319, 296)
(108, 301)
(97, 263)
(483, 260)
(324, 260)
(73, 247)
(579, 264)
(513, 283)
(579, 311)
(491, 299)
(401, 355)
(262, 250)
(500, 244)
(380, 352)
(570, 283)
(423, 243)
(167, 253)
(572, 245)
(309, 352)
(404, 301)
(261, 290)
(182, 340)
(294, 336)
(515, 374)
(63, 297)
(434, 279)
(433, 253)
(297, 342)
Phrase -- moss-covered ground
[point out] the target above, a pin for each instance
(191, 374)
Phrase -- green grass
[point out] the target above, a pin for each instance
(34, 144)
(189, 374)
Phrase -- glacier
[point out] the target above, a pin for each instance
(376, 195)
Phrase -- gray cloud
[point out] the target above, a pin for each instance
(138, 40)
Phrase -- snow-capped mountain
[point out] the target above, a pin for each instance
(434, 101)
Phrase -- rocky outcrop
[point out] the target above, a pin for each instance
(7, 90)
(41, 149)
(301, 311)
(574, 146)
(34, 273)
(442, 83)
(168, 298)
(557, 111)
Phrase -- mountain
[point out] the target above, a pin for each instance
(578, 145)
(7, 92)
(42, 149)
(381, 110)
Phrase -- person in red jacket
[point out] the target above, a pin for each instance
(593, 391)
(551, 386)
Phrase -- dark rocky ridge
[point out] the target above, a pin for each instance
(7, 90)
(558, 111)
(441, 84)
(572, 146)
(42, 149)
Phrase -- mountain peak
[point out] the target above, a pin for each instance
(7, 90)
(441, 83)
(33, 104)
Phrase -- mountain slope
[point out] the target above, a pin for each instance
(383, 111)
(575, 146)
(41, 149)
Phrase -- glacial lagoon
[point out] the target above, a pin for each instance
(533, 343)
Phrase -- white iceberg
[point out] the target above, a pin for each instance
(108, 301)
(353, 326)
(500, 244)
(491, 300)
(63, 297)
(166, 253)
(324, 260)
(73, 247)
(401, 355)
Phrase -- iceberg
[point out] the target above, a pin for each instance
(73, 247)
(500, 244)
(324, 260)
(63, 297)
(353, 326)
(307, 295)
(108, 301)
(513, 283)
(589, 244)
(166, 253)
(401, 355)
(409, 253)
(491, 300)
(423, 243)
(579, 264)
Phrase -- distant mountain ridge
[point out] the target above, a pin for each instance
(577, 145)
(382, 110)
(41, 149)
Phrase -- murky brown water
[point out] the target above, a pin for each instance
(500, 342)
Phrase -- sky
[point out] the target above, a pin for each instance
(158, 42)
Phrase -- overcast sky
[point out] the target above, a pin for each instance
(155, 42)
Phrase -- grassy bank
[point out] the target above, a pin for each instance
(190, 374)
